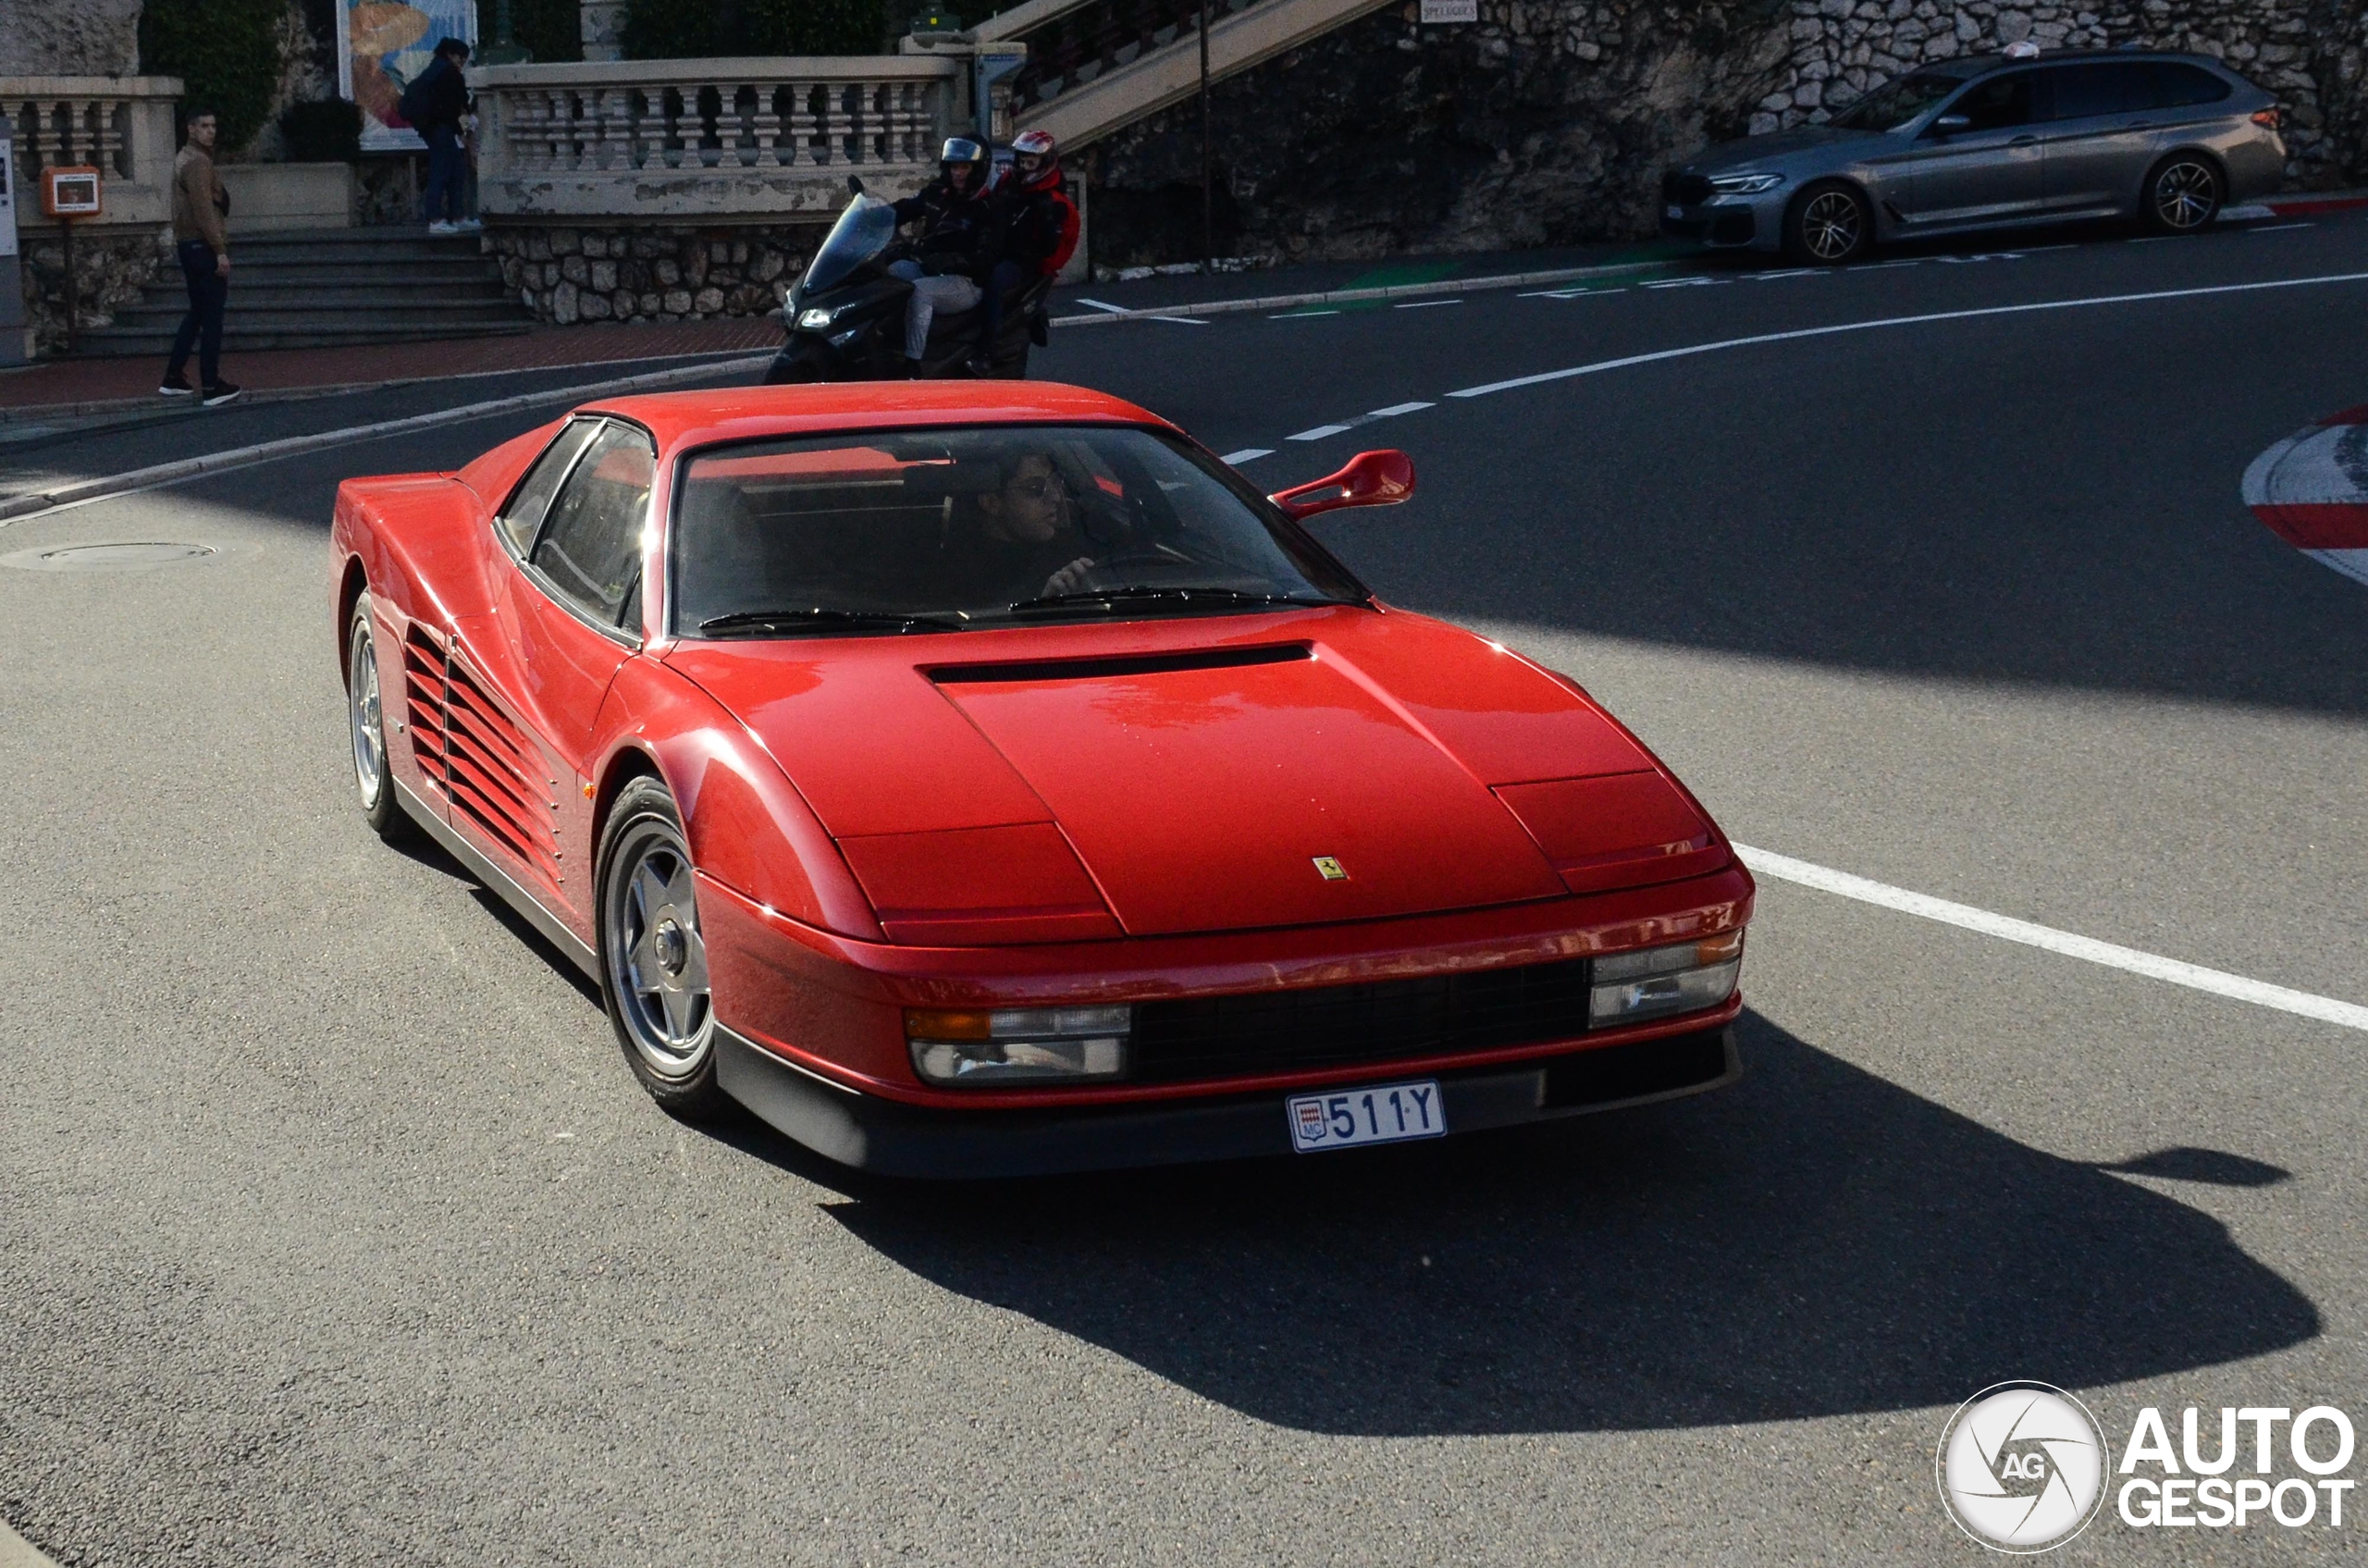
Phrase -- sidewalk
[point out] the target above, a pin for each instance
(69, 388)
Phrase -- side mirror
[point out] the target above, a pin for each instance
(1371, 478)
(855, 186)
(1949, 125)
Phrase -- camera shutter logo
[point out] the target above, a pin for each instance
(2021, 1468)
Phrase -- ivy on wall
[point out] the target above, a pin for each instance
(225, 51)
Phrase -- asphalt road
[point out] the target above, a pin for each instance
(336, 1231)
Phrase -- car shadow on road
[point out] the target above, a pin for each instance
(1814, 1242)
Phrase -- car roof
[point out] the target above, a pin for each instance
(1968, 66)
(681, 420)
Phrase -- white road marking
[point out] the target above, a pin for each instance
(1301, 314)
(18, 1553)
(1699, 281)
(1569, 293)
(2274, 228)
(1246, 454)
(1425, 304)
(2219, 983)
(1798, 333)
(1317, 434)
(1178, 320)
(1787, 272)
(1101, 305)
(1394, 410)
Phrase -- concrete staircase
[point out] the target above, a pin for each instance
(331, 288)
(1095, 66)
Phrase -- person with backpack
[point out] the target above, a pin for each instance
(435, 104)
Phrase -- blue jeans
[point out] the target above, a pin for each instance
(1007, 276)
(209, 292)
(448, 170)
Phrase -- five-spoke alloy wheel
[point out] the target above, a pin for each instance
(368, 719)
(2182, 194)
(653, 957)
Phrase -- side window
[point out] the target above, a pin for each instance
(533, 497)
(2176, 85)
(590, 546)
(2116, 87)
(1997, 104)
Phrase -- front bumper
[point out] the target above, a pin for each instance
(1727, 223)
(894, 1138)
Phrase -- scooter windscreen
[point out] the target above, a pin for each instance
(861, 233)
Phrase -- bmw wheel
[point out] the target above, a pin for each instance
(653, 956)
(1827, 224)
(2183, 194)
(366, 724)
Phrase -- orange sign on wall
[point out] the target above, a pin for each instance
(71, 191)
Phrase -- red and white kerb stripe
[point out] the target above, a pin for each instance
(2310, 490)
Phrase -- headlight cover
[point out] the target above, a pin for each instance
(982, 1049)
(815, 319)
(1661, 981)
(1745, 184)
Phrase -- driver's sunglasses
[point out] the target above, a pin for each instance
(1035, 489)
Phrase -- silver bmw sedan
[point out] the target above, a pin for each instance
(1990, 142)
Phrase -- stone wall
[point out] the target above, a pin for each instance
(1548, 121)
(570, 274)
(111, 266)
(70, 37)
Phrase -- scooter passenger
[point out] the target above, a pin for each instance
(1040, 228)
(960, 239)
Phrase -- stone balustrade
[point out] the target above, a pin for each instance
(121, 124)
(675, 141)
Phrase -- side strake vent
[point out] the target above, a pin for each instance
(1120, 666)
(465, 743)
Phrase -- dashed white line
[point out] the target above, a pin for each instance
(1317, 434)
(2274, 228)
(1394, 410)
(1798, 333)
(2219, 983)
(1425, 304)
(1178, 320)
(1301, 314)
(1246, 454)
(1102, 304)
(1569, 293)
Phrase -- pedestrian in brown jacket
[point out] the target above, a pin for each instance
(201, 240)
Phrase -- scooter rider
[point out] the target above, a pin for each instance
(962, 233)
(1040, 224)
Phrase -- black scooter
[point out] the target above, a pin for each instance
(846, 314)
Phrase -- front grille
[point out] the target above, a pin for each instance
(1687, 190)
(1337, 1025)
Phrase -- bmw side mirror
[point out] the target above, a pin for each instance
(1949, 125)
(1371, 478)
(855, 186)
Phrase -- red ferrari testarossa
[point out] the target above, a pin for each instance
(978, 779)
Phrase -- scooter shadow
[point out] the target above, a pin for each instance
(1813, 1241)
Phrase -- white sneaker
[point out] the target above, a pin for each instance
(442, 227)
(469, 226)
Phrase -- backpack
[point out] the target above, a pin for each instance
(419, 99)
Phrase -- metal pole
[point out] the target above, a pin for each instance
(73, 292)
(1208, 219)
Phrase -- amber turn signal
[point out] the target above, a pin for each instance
(926, 1023)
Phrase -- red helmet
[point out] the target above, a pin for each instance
(1036, 143)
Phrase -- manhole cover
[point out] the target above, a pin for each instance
(108, 558)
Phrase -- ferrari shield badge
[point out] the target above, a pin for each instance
(1330, 869)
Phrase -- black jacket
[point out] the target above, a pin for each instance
(1039, 220)
(960, 234)
(440, 95)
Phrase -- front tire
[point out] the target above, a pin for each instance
(367, 724)
(1828, 224)
(2183, 194)
(653, 957)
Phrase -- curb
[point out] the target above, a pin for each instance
(18, 508)
(1395, 292)
(18, 1553)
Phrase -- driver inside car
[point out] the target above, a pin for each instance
(1020, 539)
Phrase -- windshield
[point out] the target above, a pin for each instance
(861, 233)
(1895, 102)
(928, 530)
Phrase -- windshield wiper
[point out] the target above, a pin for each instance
(1142, 593)
(795, 620)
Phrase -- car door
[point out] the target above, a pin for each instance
(1977, 160)
(2103, 122)
(565, 616)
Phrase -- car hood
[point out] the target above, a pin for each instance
(1203, 774)
(1763, 151)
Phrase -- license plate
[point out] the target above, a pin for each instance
(1676, 211)
(1386, 1113)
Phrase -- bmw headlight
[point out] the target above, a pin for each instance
(1745, 184)
(1658, 981)
(815, 319)
(1017, 1045)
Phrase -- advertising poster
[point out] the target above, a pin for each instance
(383, 45)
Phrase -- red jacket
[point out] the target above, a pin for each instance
(1043, 222)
